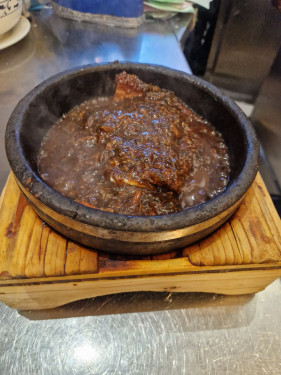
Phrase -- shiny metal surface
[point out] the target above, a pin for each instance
(147, 333)
(267, 119)
(136, 333)
(247, 35)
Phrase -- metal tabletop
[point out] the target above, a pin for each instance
(134, 333)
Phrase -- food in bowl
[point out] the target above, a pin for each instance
(41, 108)
(139, 152)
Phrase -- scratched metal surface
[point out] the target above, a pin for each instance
(147, 333)
(136, 333)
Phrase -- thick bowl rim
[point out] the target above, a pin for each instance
(69, 208)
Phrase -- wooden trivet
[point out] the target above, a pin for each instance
(41, 269)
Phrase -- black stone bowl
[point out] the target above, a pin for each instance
(115, 233)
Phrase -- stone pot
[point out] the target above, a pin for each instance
(115, 233)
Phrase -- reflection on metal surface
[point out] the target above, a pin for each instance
(85, 353)
(143, 302)
(267, 118)
(247, 35)
(146, 333)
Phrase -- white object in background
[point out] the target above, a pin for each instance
(16, 34)
(10, 12)
(26, 4)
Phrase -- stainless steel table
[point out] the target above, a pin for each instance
(136, 333)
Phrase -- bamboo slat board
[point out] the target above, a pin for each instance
(41, 269)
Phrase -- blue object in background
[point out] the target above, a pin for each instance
(117, 8)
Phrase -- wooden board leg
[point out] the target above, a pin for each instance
(44, 296)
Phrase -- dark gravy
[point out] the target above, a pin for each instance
(142, 152)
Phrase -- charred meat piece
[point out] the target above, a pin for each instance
(150, 162)
(149, 165)
(129, 86)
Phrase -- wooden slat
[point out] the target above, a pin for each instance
(72, 263)
(88, 261)
(193, 254)
(254, 232)
(55, 255)
(80, 260)
(17, 266)
(268, 211)
(163, 267)
(12, 199)
(170, 255)
(219, 249)
(56, 294)
(35, 260)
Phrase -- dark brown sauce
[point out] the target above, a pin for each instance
(142, 153)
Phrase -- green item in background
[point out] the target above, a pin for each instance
(203, 3)
(171, 1)
(178, 8)
(161, 15)
(177, 5)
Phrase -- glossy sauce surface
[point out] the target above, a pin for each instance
(142, 152)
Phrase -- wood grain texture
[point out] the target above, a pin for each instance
(29, 248)
(44, 296)
(40, 268)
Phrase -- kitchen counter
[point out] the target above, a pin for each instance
(135, 333)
